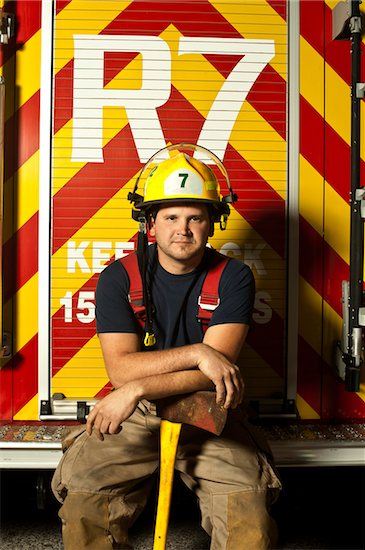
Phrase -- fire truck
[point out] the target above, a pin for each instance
(90, 90)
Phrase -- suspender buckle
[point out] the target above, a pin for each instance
(209, 306)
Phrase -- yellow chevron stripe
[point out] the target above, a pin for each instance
(27, 178)
(311, 63)
(30, 410)
(337, 223)
(305, 410)
(258, 20)
(8, 219)
(311, 194)
(338, 104)
(310, 307)
(87, 366)
(26, 313)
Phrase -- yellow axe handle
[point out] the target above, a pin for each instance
(169, 438)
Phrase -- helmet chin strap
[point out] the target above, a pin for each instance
(142, 255)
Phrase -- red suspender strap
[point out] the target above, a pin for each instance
(208, 300)
(135, 295)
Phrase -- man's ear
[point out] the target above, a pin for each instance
(211, 228)
(151, 225)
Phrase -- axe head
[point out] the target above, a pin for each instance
(197, 409)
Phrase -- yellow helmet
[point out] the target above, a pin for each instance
(181, 177)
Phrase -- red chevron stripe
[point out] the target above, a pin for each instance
(268, 340)
(21, 253)
(25, 365)
(63, 96)
(6, 385)
(309, 374)
(312, 23)
(21, 135)
(61, 4)
(280, 6)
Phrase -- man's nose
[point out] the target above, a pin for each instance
(183, 227)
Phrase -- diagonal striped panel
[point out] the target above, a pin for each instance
(252, 176)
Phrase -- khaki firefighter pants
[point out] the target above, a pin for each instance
(104, 485)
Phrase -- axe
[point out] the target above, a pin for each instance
(197, 409)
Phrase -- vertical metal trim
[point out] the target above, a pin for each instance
(292, 206)
(44, 236)
(2, 107)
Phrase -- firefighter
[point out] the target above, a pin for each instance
(106, 473)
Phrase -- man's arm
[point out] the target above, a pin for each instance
(214, 357)
(152, 375)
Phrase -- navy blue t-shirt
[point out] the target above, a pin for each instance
(175, 300)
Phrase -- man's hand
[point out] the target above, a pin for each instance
(225, 376)
(107, 416)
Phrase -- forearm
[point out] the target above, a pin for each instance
(143, 365)
(175, 383)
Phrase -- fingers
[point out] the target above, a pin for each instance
(220, 390)
(229, 388)
(99, 424)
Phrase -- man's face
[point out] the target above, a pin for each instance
(181, 232)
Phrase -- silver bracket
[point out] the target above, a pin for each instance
(362, 316)
(360, 197)
(360, 90)
(7, 27)
(355, 25)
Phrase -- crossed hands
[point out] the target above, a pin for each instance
(108, 414)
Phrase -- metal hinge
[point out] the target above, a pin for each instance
(355, 25)
(360, 90)
(7, 27)
(360, 197)
(6, 347)
(62, 408)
